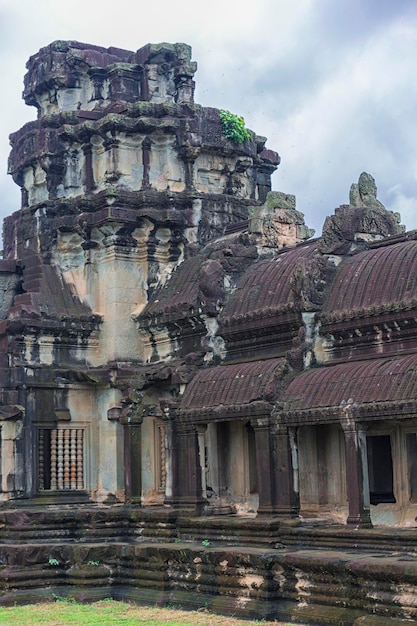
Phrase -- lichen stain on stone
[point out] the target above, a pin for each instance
(303, 587)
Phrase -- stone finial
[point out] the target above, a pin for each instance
(363, 193)
(277, 224)
(363, 220)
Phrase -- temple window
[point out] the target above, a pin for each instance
(411, 443)
(253, 473)
(60, 459)
(380, 469)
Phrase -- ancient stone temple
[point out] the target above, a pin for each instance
(200, 403)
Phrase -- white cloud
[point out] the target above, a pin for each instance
(360, 117)
(332, 85)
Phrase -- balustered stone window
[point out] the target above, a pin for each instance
(60, 459)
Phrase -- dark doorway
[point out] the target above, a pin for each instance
(253, 470)
(411, 439)
(381, 487)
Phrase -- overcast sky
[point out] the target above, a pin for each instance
(331, 83)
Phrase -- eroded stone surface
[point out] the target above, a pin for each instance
(364, 220)
(277, 224)
(174, 343)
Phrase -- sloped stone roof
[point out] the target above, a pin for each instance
(197, 285)
(365, 388)
(269, 284)
(228, 388)
(179, 296)
(45, 294)
(373, 281)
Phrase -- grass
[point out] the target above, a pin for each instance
(112, 613)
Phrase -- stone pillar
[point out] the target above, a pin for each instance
(97, 75)
(12, 467)
(123, 82)
(185, 87)
(25, 448)
(169, 415)
(264, 465)
(201, 434)
(189, 487)
(189, 155)
(117, 290)
(146, 160)
(132, 443)
(287, 499)
(88, 164)
(357, 482)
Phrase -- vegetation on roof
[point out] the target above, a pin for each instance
(233, 126)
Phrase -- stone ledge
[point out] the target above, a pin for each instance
(307, 586)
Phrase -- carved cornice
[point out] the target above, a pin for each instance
(63, 327)
(266, 316)
(225, 413)
(372, 411)
(49, 134)
(340, 320)
(371, 337)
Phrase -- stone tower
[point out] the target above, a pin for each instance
(123, 177)
(121, 173)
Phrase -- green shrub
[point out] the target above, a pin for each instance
(233, 126)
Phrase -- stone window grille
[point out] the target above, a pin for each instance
(61, 459)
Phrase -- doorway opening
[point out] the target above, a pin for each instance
(381, 483)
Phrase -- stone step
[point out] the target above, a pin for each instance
(312, 587)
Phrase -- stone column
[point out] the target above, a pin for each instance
(97, 75)
(357, 482)
(12, 466)
(201, 434)
(89, 172)
(189, 155)
(287, 499)
(26, 448)
(169, 415)
(146, 160)
(132, 443)
(189, 487)
(264, 465)
(123, 82)
(116, 288)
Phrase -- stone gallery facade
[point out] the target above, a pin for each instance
(182, 363)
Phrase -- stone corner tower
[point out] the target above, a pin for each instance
(121, 172)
